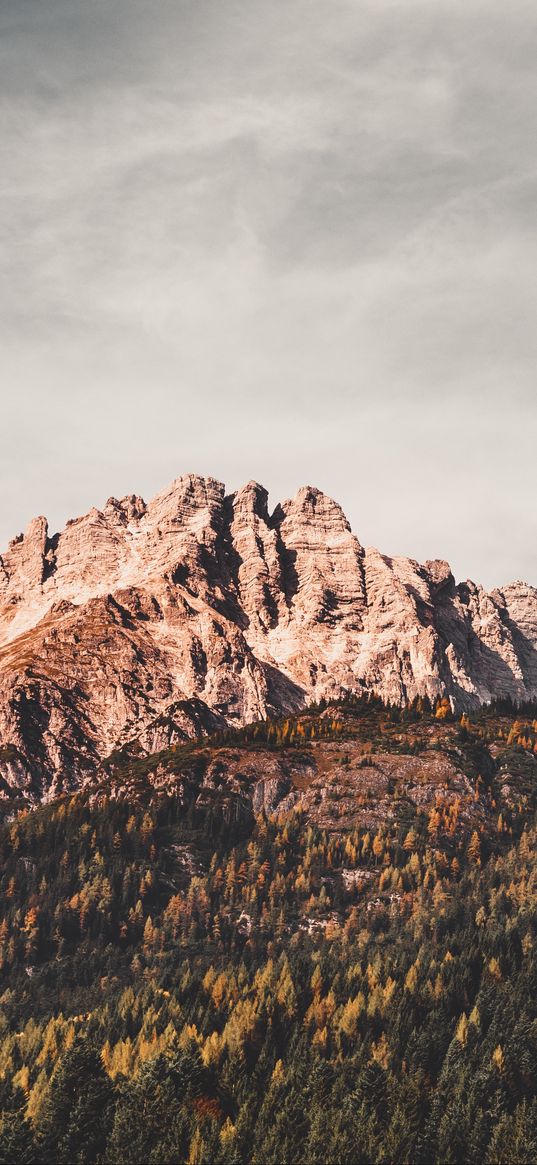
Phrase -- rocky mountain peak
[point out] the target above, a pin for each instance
(312, 505)
(199, 595)
(439, 574)
(251, 498)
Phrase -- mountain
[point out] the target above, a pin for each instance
(142, 624)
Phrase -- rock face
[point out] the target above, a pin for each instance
(149, 623)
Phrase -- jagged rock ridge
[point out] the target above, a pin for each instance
(152, 622)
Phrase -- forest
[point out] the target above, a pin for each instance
(187, 980)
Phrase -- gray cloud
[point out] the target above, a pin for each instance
(289, 241)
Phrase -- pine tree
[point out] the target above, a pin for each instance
(77, 1114)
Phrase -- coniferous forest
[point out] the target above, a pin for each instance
(188, 977)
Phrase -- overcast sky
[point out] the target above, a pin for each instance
(290, 240)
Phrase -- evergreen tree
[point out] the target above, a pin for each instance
(77, 1114)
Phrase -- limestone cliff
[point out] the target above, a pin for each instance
(152, 622)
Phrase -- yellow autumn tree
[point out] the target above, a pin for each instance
(474, 849)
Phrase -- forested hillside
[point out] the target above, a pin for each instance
(309, 940)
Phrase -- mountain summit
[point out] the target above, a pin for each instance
(145, 623)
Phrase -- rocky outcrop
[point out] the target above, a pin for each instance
(145, 623)
(269, 793)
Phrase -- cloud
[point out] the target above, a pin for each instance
(294, 242)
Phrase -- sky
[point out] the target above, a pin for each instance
(288, 240)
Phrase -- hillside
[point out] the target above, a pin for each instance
(305, 940)
(155, 621)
